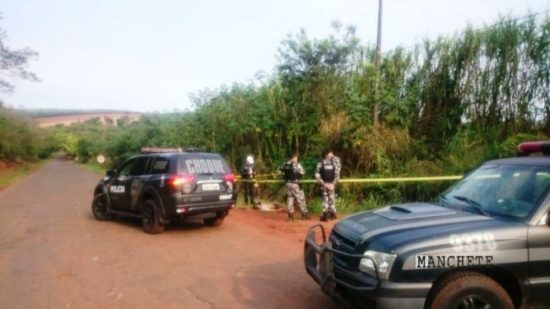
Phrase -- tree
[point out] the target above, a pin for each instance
(14, 64)
(314, 76)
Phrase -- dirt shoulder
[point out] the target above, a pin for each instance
(276, 223)
(13, 172)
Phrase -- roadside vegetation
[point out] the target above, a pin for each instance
(445, 106)
(21, 140)
(23, 146)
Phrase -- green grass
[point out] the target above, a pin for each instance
(11, 176)
(345, 205)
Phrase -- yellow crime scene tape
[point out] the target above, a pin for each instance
(262, 176)
(366, 180)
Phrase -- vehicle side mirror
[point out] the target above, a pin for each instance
(111, 173)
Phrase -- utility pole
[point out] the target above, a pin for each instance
(376, 110)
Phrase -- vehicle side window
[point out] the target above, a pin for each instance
(542, 183)
(160, 166)
(126, 168)
(139, 166)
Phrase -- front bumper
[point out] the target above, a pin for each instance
(352, 285)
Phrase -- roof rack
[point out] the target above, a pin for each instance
(527, 148)
(159, 150)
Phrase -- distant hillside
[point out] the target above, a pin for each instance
(67, 118)
(54, 112)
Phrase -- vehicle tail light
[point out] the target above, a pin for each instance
(178, 181)
(229, 177)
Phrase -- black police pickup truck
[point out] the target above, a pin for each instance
(484, 243)
(164, 184)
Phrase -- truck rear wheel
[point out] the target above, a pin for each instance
(216, 221)
(470, 290)
(150, 218)
(99, 208)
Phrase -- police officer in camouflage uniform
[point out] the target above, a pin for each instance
(327, 173)
(292, 172)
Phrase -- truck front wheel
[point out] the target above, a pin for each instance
(470, 290)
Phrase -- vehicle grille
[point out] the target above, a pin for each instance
(344, 244)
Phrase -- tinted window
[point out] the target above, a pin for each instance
(126, 168)
(139, 166)
(202, 164)
(542, 183)
(160, 166)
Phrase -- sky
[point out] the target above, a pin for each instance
(150, 56)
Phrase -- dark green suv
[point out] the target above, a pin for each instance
(162, 185)
(483, 243)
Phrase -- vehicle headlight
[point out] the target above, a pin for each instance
(383, 261)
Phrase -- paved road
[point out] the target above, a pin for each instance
(54, 254)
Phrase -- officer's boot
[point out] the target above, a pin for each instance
(324, 216)
(290, 216)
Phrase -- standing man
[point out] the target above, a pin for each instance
(247, 177)
(292, 172)
(327, 174)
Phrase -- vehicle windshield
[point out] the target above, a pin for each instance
(510, 191)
